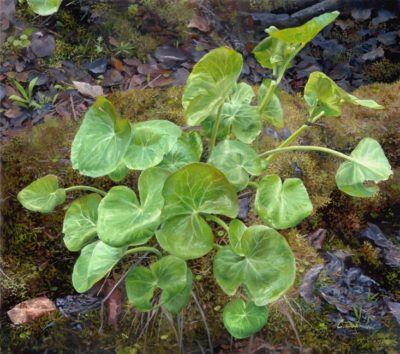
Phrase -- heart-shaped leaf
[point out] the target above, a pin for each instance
(42, 195)
(236, 160)
(369, 164)
(236, 231)
(175, 302)
(80, 220)
(119, 173)
(210, 82)
(44, 7)
(282, 205)
(187, 149)
(123, 219)
(306, 32)
(244, 319)
(273, 112)
(191, 191)
(237, 115)
(322, 94)
(101, 142)
(267, 267)
(93, 264)
(170, 274)
(151, 140)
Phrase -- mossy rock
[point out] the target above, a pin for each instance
(37, 263)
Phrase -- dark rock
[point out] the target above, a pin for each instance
(43, 44)
(388, 38)
(170, 55)
(297, 171)
(43, 79)
(244, 205)
(272, 132)
(73, 304)
(307, 286)
(180, 76)
(18, 121)
(361, 14)
(2, 92)
(286, 133)
(394, 308)
(374, 54)
(98, 66)
(112, 77)
(340, 72)
(317, 238)
(383, 16)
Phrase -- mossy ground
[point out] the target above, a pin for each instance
(36, 262)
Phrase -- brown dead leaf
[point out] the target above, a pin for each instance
(199, 23)
(118, 64)
(88, 90)
(31, 310)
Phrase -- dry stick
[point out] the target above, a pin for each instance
(71, 100)
(117, 284)
(203, 317)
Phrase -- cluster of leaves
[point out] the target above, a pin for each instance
(179, 194)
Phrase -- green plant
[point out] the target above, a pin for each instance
(26, 99)
(44, 7)
(179, 197)
(18, 43)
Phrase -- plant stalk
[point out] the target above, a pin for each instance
(85, 188)
(218, 221)
(144, 249)
(308, 148)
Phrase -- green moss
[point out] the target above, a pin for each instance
(383, 70)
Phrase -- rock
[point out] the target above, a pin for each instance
(132, 62)
(73, 304)
(180, 76)
(112, 77)
(383, 16)
(307, 286)
(374, 54)
(167, 54)
(388, 38)
(361, 14)
(2, 92)
(43, 44)
(88, 90)
(31, 310)
(161, 82)
(394, 308)
(244, 205)
(199, 23)
(286, 133)
(13, 112)
(147, 69)
(43, 79)
(272, 132)
(98, 66)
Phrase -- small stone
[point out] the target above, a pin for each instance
(98, 66)
(199, 23)
(361, 14)
(167, 53)
(388, 38)
(43, 44)
(31, 310)
(88, 90)
(374, 54)
(180, 76)
(244, 205)
(2, 92)
(383, 16)
(112, 77)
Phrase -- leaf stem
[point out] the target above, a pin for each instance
(268, 95)
(144, 249)
(215, 128)
(308, 148)
(85, 188)
(218, 221)
(297, 133)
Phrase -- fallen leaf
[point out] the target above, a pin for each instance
(118, 64)
(88, 90)
(31, 310)
(199, 23)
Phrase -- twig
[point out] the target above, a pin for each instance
(203, 317)
(71, 100)
(148, 84)
(117, 284)
(292, 324)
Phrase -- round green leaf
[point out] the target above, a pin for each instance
(236, 160)
(186, 236)
(44, 7)
(119, 173)
(101, 142)
(187, 149)
(237, 115)
(273, 112)
(322, 94)
(94, 263)
(369, 164)
(80, 220)
(176, 301)
(151, 140)
(267, 267)
(42, 195)
(170, 274)
(282, 205)
(210, 82)
(123, 220)
(199, 188)
(244, 319)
